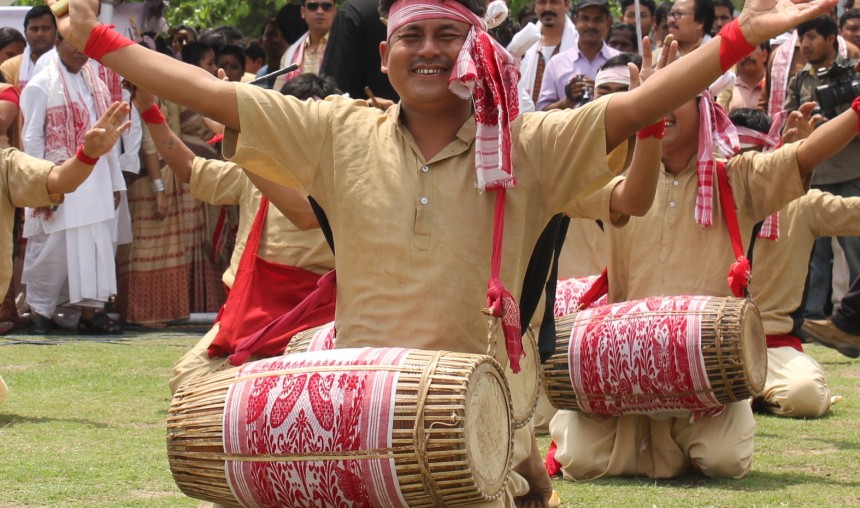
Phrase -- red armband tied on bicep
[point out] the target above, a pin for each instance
(734, 47)
(103, 40)
(855, 105)
(153, 115)
(655, 130)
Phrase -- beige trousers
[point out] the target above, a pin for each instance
(4, 390)
(591, 446)
(795, 385)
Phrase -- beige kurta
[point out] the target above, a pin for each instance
(667, 253)
(413, 236)
(224, 183)
(24, 183)
(796, 385)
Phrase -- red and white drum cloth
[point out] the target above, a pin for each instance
(339, 407)
(569, 293)
(323, 338)
(639, 350)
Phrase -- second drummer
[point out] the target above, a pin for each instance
(679, 248)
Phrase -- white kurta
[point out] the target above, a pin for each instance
(70, 256)
(528, 65)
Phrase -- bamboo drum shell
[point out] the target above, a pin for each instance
(733, 349)
(467, 424)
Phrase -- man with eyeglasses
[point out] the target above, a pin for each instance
(690, 22)
(307, 52)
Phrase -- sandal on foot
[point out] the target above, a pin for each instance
(100, 324)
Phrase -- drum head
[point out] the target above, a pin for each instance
(525, 385)
(488, 428)
(754, 347)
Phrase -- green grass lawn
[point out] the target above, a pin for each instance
(84, 427)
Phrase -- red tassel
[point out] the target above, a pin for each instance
(553, 467)
(599, 288)
(505, 308)
(217, 138)
(739, 276)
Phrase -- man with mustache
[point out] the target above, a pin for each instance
(557, 34)
(569, 76)
(690, 22)
(749, 83)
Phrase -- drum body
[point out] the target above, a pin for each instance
(350, 427)
(524, 385)
(569, 293)
(658, 355)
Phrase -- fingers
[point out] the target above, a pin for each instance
(672, 53)
(647, 54)
(222, 75)
(634, 74)
(126, 125)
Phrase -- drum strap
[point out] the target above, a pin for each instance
(739, 272)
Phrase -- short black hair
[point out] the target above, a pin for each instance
(824, 25)
(505, 32)
(652, 7)
(236, 51)
(8, 35)
(255, 52)
(308, 85)
(725, 3)
(479, 7)
(526, 14)
(849, 14)
(630, 29)
(662, 12)
(37, 12)
(290, 22)
(704, 14)
(193, 52)
(750, 118)
(622, 59)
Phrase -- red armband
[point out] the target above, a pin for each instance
(733, 45)
(655, 130)
(86, 159)
(856, 107)
(153, 115)
(103, 40)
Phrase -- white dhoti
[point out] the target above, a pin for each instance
(74, 265)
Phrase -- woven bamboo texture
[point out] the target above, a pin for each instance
(733, 349)
(460, 453)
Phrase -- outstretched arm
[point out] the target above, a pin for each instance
(828, 139)
(188, 85)
(98, 141)
(171, 149)
(684, 79)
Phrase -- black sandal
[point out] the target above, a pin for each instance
(100, 324)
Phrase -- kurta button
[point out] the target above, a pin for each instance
(424, 201)
(671, 204)
(675, 182)
(425, 168)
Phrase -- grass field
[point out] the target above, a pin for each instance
(84, 427)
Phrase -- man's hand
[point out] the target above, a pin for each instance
(668, 55)
(578, 85)
(761, 20)
(106, 131)
(81, 19)
(160, 205)
(800, 123)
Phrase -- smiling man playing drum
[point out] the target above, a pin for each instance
(413, 236)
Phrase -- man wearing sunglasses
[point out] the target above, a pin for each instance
(307, 52)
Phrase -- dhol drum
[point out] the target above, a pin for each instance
(525, 385)
(349, 427)
(569, 292)
(658, 355)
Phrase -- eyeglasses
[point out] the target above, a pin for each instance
(676, 15)
(313, 6)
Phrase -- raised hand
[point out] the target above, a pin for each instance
(104, 134)
(761, 20)
(800, 123)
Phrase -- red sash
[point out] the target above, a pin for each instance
(262, 292)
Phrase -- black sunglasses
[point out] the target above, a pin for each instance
(325, 6)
